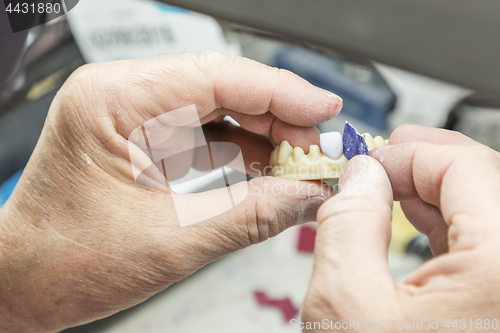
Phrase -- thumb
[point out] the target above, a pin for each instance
(350, 258)
(270, 206)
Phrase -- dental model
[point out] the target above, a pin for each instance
(325, 163)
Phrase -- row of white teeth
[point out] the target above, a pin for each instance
(325, 163)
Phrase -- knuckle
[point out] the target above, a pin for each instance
(72, 108)
(262, 219)
(214, 56)
(400, 132)
(82, 74)
(213, 60)
(476, 155)
(77, 86)
(82, 70)
(284, 73)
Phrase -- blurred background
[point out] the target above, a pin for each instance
(259, 289)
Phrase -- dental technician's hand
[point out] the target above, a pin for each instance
(79, 240)
(449, 186)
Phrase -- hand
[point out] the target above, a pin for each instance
(450, 190)
(80, 240)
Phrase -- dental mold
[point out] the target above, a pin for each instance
(292, 163)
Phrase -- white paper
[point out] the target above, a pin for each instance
(108, 30)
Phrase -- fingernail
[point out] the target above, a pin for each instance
(309, 208)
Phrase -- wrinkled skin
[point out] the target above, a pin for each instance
(449, 186)
(79, 240)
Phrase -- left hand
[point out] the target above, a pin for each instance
(79, 240)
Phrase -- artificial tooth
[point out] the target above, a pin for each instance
(285, 152)
(379, 141)
(370, 142)
(331, 144)
(298, 153)
(386, 142)
(314, 152)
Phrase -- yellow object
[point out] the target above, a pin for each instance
(46, 85)
(403, 232)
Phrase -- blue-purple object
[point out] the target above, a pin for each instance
(354, 143)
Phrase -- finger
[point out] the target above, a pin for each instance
(463, 181)
(425, 217)
(132, 92)
(428, 220)
(270, 206)
(409, 133)
(256, 149)
(412, 133)
(259, 124)
(350, 258)
(251, 88)
(278, 130)
(398, 161)
(297, 136)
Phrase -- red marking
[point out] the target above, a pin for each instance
(284, 305)
(307, 237)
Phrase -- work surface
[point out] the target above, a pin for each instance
(224, 297)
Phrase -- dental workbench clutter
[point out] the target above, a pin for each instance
(366, 95)
(108, 30)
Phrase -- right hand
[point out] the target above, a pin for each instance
(449, 188)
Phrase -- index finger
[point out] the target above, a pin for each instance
(411, 133)
(400, 154)
(249, 87)
(271, 101)
(462, 180)
(146, 89)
